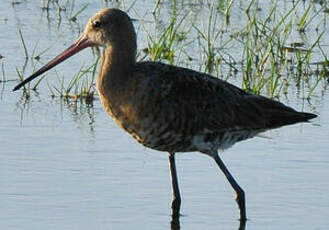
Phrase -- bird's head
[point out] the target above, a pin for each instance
(110, 26)
(107, 28)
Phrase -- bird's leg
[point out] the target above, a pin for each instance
(176, 200)
(175, 223)
(240, 198)
(242, 225)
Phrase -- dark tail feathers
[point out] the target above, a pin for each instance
(280, 115)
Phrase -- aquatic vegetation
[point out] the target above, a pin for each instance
(267, 50)
(165, 47)
(81, 85)
(74, 17)
(23, 43)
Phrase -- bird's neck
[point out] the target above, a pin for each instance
(118, 61)
(114, 78)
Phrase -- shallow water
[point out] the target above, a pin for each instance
(68, 166)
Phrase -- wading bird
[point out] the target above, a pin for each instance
(169, 108)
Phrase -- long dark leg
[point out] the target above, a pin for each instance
(176, 200)
(175, 223)
(240, 199)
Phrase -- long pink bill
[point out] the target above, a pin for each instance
(79, 45)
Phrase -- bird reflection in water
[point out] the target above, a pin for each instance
(175, 224)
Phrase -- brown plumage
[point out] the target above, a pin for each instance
(169, 108)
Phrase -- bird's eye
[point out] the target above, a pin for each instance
(96, 24)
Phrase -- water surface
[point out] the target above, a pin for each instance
(66, 165)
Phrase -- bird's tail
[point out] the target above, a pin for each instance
(275, 114)
(280, 114)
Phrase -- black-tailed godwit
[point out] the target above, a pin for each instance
(169, 108)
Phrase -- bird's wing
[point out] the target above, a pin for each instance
(195, 102)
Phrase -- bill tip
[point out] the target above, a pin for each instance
(16, 88)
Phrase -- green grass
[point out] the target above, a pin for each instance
(80, 87)
(259, 52)
(3, 72)
(23, 43)
(165, 44)
(209, 38)
(74, 17)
